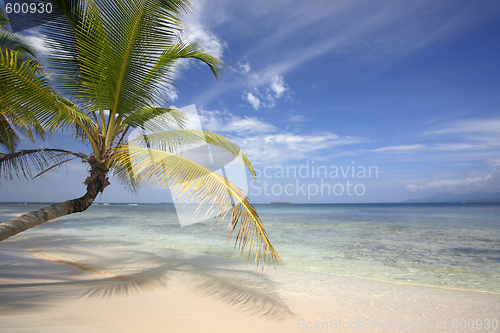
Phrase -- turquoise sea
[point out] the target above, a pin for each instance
(452, 245)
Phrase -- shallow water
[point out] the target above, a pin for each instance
(449, 245)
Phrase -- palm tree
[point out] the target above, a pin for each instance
(10, 117)
(113, 59)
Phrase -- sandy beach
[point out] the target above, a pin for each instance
(41, 295)
(249, 166)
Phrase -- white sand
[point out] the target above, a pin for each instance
(39, 295)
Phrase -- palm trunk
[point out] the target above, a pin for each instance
(95, 184)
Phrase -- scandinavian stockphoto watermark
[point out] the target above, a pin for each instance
(369, 324)
(309, 180)
(191, 209)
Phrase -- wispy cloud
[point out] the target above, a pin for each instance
(400, 149)
(471, 134)
(376, 30)
(360, 34)
(491, 125)
(252, 99)
(286, 146)
(197, 31)
(267, 96)
(467, 135)
(264, 143)
(38, 41)
(244, 68)
(456, 146)
(488, 183)
(172, 94)
(297, 118)
(226, 122)
(278, 86)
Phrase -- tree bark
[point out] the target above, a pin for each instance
(95, 184)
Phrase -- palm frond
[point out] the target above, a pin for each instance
(10, 40)
(28, 97)
(162, 73)
(21, 163)
(11, 111)
(54, 166)
(204, 187)
(61, 41)
(123, 171)
(122, 70)
(186, 50)
(8, 136)
(4, 19)
(23, 88)
(151, 24)
(13, 41)
(156, 118)
(177, 140)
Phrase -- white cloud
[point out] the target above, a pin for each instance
(297, 118)
(400, 149)
(456, 146)
(285, 146)
(172, 94)
(262, 142)
(249, 124)
(378, 32)
(38, 42)
(488, 183)
(275, 90)
(252, 100)
(481, 134)
(471, 126)
(411, 188)
(225, 122)
(209, 41)
(245, 68)
(197, 31)
(362, 35)
(278, 86)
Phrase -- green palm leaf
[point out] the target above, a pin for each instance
(110, 61)
(181, 139)
(203, 187)
(21, 162)
(156, 118)
(13, 41)
(32, 101)
(8, 136)
(26, 90)
(120, 70)
(162, 72)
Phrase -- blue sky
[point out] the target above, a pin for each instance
(409, 88)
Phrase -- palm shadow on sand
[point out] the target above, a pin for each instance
(32, 282)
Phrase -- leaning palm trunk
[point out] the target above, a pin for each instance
(95, 184)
